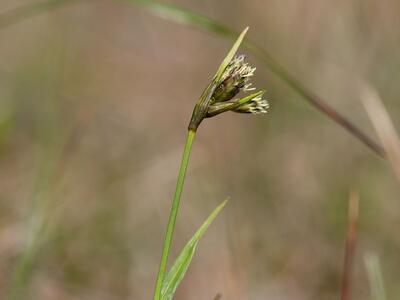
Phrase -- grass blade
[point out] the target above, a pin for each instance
(27, 11)
(181, 264)
(187, 17)
(183, 16)
(383, 125)
(375, 277)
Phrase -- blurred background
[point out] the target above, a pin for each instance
(95, 99)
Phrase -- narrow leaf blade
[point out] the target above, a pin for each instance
(181, 264)
(230, 55)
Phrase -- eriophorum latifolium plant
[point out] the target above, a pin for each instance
(233, 77)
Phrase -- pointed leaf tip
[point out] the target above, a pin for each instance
(230, 55)
(181, 264)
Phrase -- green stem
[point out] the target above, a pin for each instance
(172, 215)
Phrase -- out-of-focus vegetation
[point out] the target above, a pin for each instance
(95, 99)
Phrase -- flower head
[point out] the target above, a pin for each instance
(232, 77)
(257, 105)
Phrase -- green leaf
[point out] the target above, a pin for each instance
(181, 264)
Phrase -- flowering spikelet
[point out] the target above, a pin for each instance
(257, 105)
(236, 78)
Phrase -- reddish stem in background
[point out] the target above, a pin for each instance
(350, 246)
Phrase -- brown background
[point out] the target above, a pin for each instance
(95, 98)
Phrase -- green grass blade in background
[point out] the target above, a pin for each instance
(375, 277)
(21, 13)
(43, 202)
(183, 16)
(187, 17)
(181, 264)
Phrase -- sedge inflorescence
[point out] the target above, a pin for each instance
(233, 76)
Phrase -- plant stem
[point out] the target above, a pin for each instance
(173, 213)
(350, 245)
